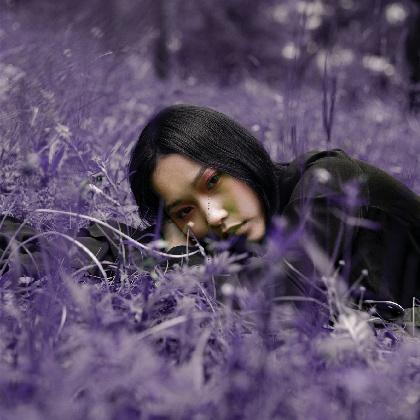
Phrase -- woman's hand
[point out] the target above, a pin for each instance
(173, 235)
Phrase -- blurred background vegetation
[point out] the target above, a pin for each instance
(78, 79)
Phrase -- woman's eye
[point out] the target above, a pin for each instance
(213, 181)
(183, 213)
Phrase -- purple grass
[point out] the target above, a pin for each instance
(78, 80)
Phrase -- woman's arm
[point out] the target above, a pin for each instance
(107, 244)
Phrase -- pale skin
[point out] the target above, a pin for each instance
(199, 199)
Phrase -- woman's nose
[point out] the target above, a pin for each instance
(215, 216)
(213, 211)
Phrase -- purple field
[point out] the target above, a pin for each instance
(78, 81)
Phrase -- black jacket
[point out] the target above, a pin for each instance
(378, 216)
(350, 210)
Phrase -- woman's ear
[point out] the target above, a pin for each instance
(165, 218)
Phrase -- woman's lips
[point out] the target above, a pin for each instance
(237, 229)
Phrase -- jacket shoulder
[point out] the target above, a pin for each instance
(327, 173)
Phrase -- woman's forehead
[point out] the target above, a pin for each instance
(176, 172)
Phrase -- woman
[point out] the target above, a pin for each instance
(197, 175)
(207, 176)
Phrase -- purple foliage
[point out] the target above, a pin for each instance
(77, 83)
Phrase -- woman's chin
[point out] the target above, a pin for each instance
(254, 231)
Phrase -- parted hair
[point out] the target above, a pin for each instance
(208, 137)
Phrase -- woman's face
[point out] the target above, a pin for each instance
(205, 199)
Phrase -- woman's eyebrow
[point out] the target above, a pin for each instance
(197, 177)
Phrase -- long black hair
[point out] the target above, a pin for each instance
(208, 137)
